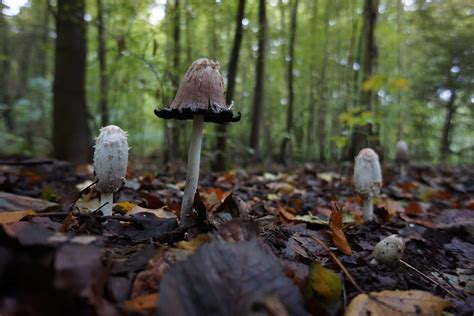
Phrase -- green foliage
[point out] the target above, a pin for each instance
(423, 49)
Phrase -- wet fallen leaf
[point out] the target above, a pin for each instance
(193, 244)
(15, 216)
(143, 303)
(123, 207)
(392, 207)
(397, 303)
(338, 236)
(414, 208)
(328, 176)
(286, 215)
(231, 279)
(15, 202)
(160, 212)
(323, 290)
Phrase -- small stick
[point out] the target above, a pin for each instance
(344, 270)
(429, 279)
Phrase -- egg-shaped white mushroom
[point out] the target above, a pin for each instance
(110, 163)
(367, 179)
(389, 250)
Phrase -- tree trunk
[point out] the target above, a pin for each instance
(446, 136)
(221, 139)
(363, 136)
(42, 62)
(322, 108)
(71, 136)
(257, 110)
(312, 83)
(177, 126)
(5, 91)
(290, 81)
(102, 53)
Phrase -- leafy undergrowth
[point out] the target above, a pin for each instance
(286, 242)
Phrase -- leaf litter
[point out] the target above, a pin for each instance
(285, 242)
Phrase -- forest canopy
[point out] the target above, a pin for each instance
(314, 80)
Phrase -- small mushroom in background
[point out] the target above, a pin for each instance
(367, 179)
(110, 164)
(389, 250)
(200, 98)
(401, 156)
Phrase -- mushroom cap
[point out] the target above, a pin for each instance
(110, 158)
(401, 153)
(367, 173)
(201, 92)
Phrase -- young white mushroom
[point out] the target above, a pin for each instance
(367, 179)
(389, 250)
(401, 156)
(110, 163)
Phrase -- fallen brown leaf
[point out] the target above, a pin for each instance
(396, 303)
(15, 216)
(335, 223)
(142, 303)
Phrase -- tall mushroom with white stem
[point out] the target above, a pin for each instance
(367, 179)
(401, 157)
(110, 164)
(200, 98)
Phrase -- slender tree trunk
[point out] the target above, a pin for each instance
(188, 34)
(312, 84)
(400, 71)
(71, 136)
(362, 136)
(176, 127)
(258, 99)
(102, 53)
(290, 80)
(221, 139)
(42, 62)
(351, 59)
(5, 94)
(446, 135)
(322, 108)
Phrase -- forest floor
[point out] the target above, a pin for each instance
(281, 242)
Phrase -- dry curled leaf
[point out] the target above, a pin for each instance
(397, 303)
(337, 233)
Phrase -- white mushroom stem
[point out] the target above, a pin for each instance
(403, 170)
(368, 209)
(192, 176)
(108, 200)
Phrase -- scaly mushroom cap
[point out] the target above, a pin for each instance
(110, 158)
(367, 174)
(201, 92)
(401, 154)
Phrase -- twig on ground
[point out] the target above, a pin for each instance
(430, 279)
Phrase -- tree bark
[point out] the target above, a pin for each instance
(5, 94)
(290, 80)
(312, 83)
(102, 54)
(446, 135)
(363, 136)
(257, 110)
(71, 136)
(221, 138)
(322, 110)
(176, 125)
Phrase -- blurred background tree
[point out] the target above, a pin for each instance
(315, 80)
